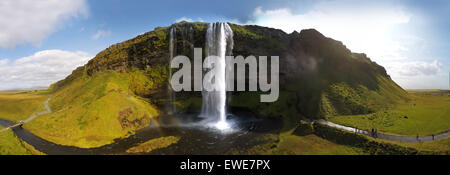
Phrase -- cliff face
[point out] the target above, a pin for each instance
(319, 76)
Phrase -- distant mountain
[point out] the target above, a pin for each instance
(118, 90)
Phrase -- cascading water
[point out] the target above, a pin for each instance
(185, 37)
(219, 42)
(172, 52)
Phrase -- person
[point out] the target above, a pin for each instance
(372, 133)
(432, 136)
(417, 137)
(356, 129)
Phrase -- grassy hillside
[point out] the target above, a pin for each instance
(426, 113)
(342, 99)
(91, 111)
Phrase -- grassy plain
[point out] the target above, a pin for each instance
(290, 144)
(19, 105)
(312, 145)
(426, 113)
(441, 146)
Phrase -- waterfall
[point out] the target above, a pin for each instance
(219, 42)
(172, 52)
(181, 37)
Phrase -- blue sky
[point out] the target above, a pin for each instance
(46, 40)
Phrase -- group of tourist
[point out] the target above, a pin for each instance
(373, 132)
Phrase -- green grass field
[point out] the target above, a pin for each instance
(19, 105)
(442, 146)
(312, 145)
(426, 113)
(11, 145)
(288, 144)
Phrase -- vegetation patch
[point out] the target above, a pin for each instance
(426, 113)
(11, 145)
(304, 128)
(289, 144)
(441, 146)
(153, 144)
(313, 145)
(126, 123)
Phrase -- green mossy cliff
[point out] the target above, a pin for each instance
(319, 76)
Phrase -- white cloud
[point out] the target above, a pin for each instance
(361, 28)
(440, 80)
(3, 62)
(419, 74)
(30, 21)
(40, 69)
(101, 33)
(415, 68)
(184, 19)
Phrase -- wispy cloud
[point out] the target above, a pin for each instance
(415, 68)
(419, 74)
(101, 33)
(184, 18)
(30, 22)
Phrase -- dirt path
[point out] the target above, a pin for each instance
(410, 139)
(33, 116)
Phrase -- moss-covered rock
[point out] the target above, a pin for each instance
(304, 128)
